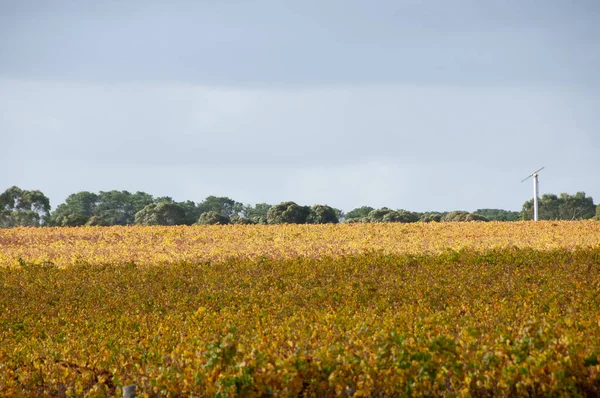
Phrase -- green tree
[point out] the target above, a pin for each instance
(212, 217)
(356, 220)
(548, 208)
(77, 209)
(192, 211)
(576, 207)
(222, 205)
(167, 199)
(288, 213)
(237, 219)
(257, 213)
(120, 207)
(378, 214)
(499, 214)
(431, 217)
(462, 216)
(359, 212)
(339, 214)
(20, 207)
(322, 214)
(107, 208)
(597, 213)
(163, 213)
(563, 207)
(402, 216)
(137, 202)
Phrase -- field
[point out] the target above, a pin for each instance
(440, 309)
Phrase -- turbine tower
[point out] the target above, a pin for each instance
(535, 191)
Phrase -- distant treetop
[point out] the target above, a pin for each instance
(20, 207)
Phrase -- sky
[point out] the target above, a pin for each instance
(421, 105)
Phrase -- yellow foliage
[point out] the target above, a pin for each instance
(159, 245)
(454, 309)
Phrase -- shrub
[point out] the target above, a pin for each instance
(288, 213)
(163, 213)
(322, 214)
(356, 220)
(377, 215)
(212, 217)
(431, 217)
(462, 216)
(359, 212)
(400, 216)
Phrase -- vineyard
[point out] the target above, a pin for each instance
(436, 309)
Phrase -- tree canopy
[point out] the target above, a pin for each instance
(288, 213)
(20, 207)
(462, 216)
(359, 212)
(163, 213)
(322, 214)
(212, 217)
(499, 214)
(108, 208)
(222, 205)
(431, 217)
(257, 214)
(562, 207)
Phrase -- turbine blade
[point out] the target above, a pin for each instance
(532, 174)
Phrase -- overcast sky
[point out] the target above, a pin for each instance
(422, 105)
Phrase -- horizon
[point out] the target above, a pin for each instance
(179, 200)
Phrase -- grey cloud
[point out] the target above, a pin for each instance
(346, 145)
(298, 43)
(415, 104)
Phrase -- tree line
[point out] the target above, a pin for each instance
(19, 207)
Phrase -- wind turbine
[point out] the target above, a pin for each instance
(535, 191)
